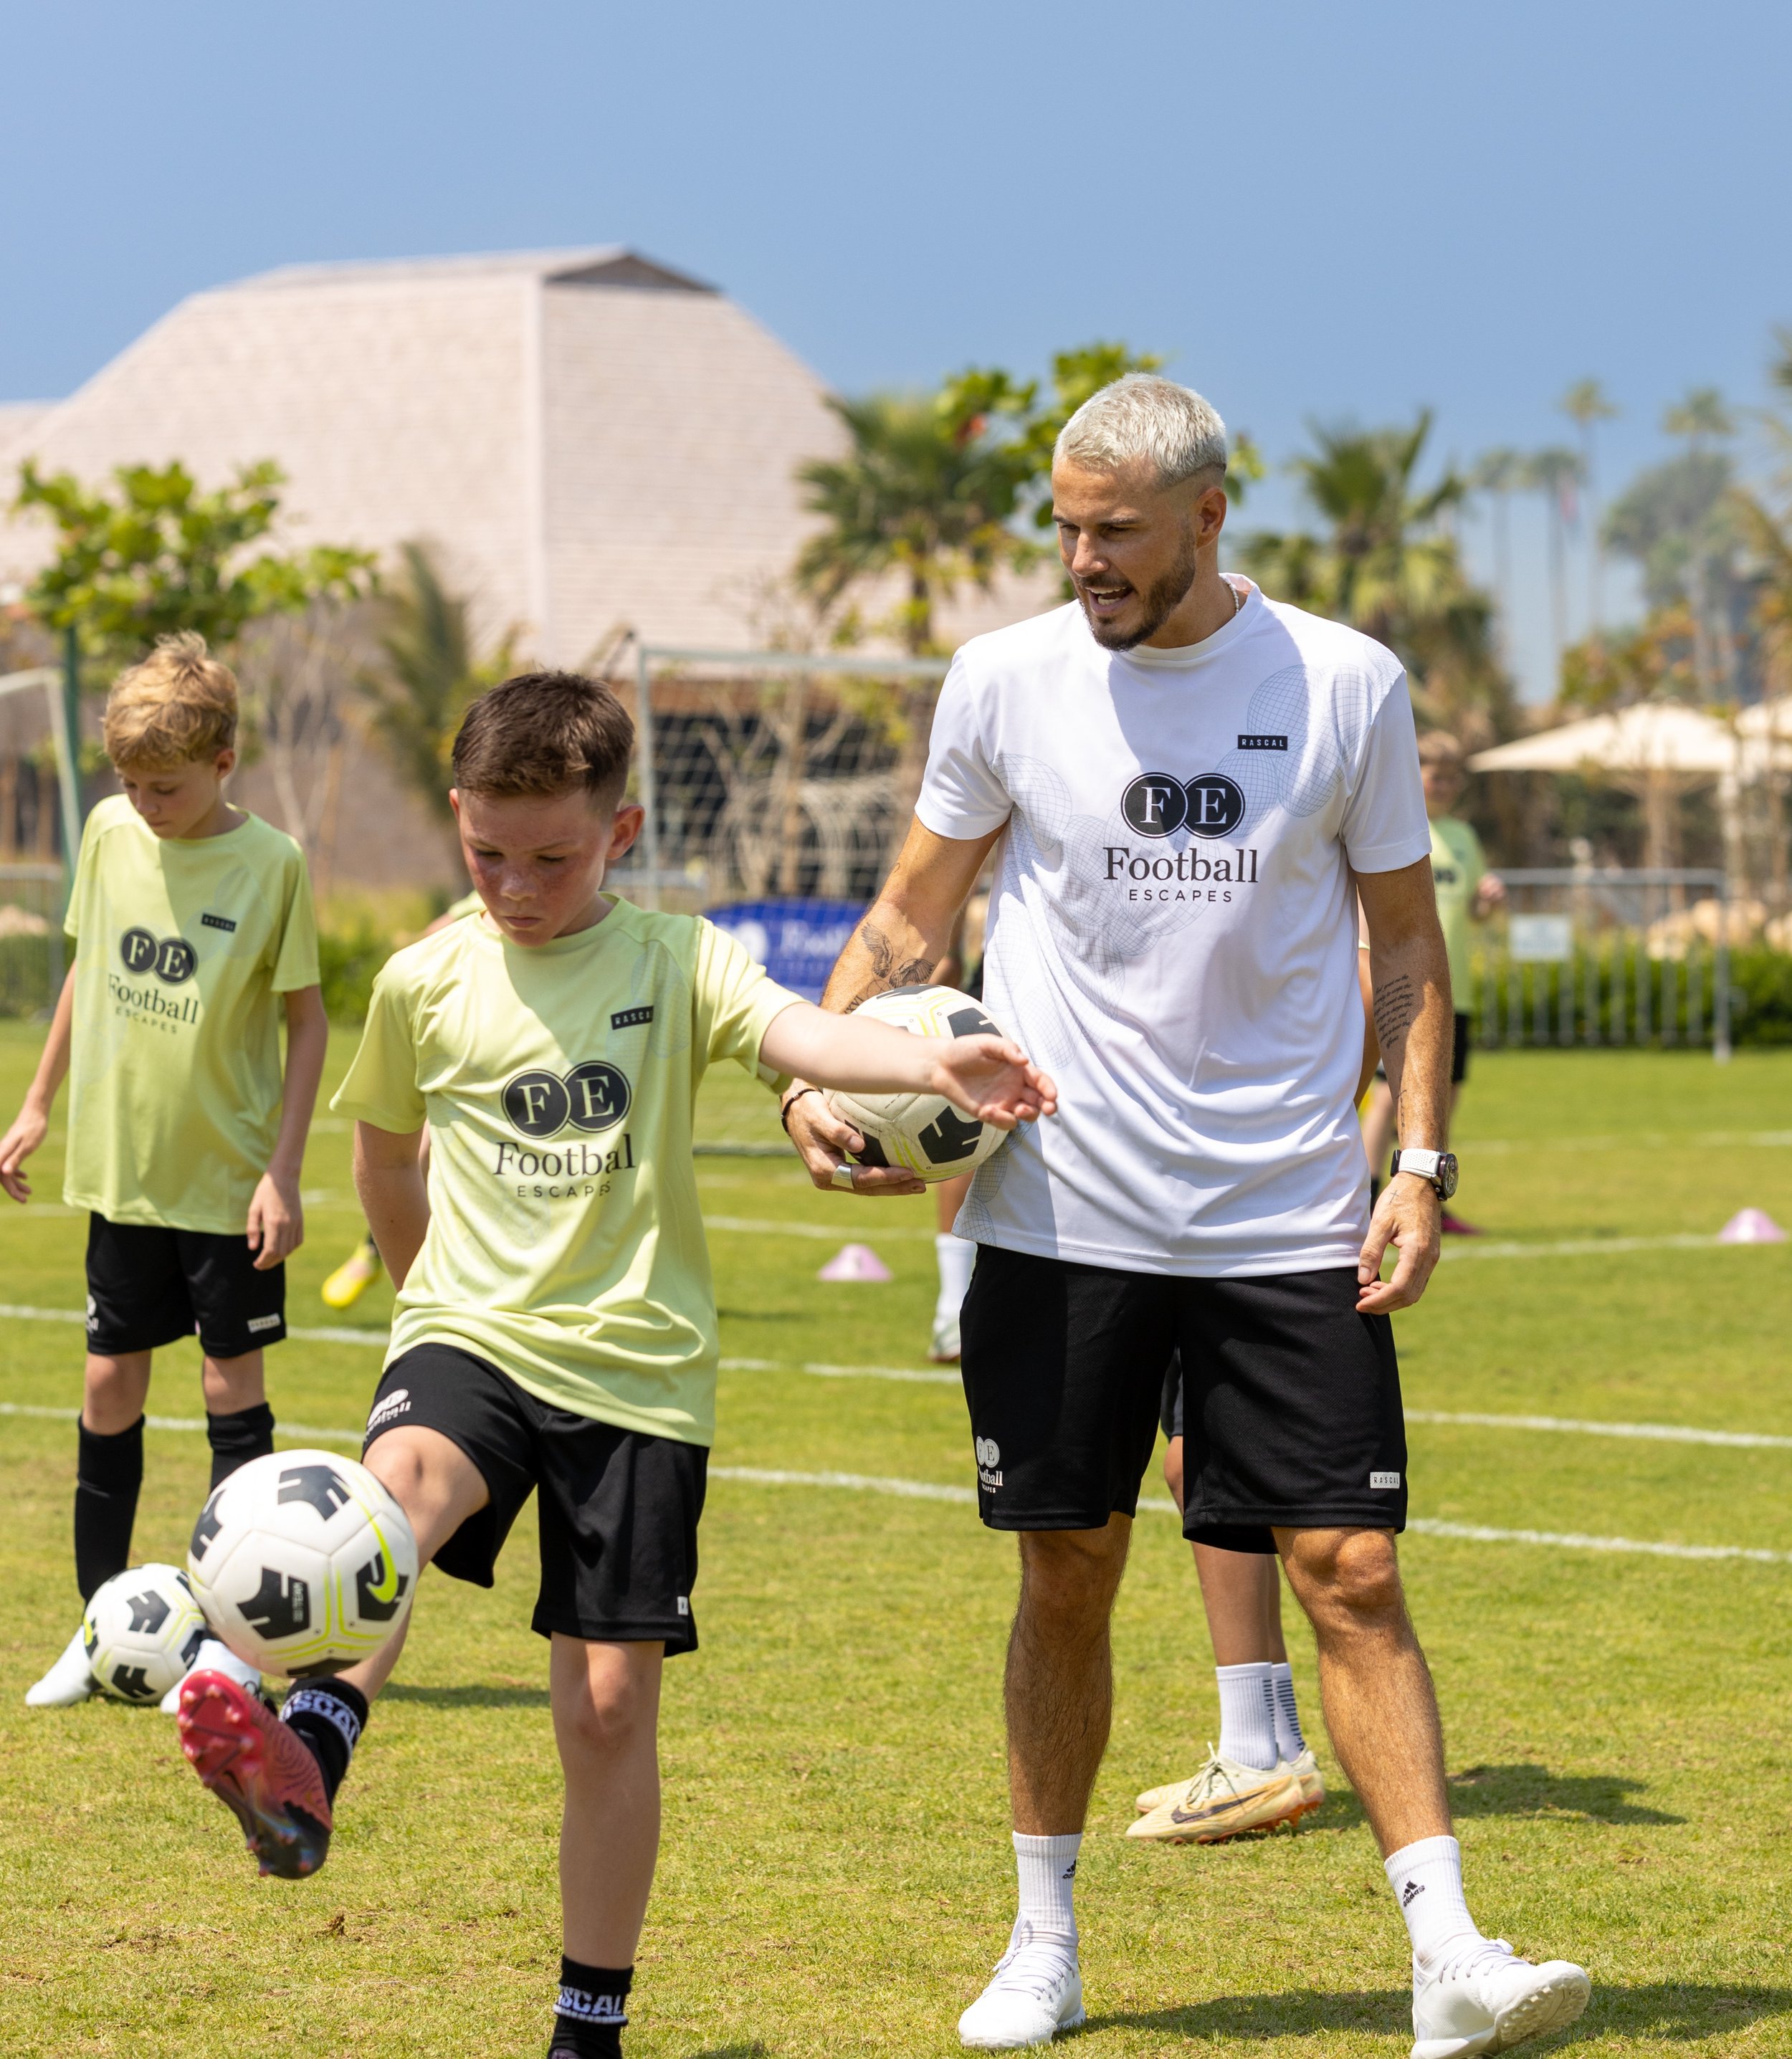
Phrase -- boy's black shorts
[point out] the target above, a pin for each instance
(618, 1512)
(1292, 1399)
(148, 1286)
(1459, 1049)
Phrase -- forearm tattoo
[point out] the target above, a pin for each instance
(889, 967)
(1396, 1008)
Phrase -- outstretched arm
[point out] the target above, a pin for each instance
(987, 1077)
(1414, 1025)
(276, 1213)
(904, 935)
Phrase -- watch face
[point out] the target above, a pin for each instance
(1446, 1174)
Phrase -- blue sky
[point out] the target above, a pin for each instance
(1312, 210)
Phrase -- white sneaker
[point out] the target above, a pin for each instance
(1035, 1992)
(69, 1681)
(213, 1657)
(1489, 2000)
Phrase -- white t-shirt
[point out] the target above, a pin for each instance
(1172, 930)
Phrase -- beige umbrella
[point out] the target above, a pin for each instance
(1656, 750)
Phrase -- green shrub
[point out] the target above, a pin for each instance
(1761, 987)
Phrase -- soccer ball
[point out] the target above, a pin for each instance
(142, 1630)
(303, 1562)
(921, 1132)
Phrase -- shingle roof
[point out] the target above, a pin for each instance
(593, 438)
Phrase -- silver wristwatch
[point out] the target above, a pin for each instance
(1438, 1167)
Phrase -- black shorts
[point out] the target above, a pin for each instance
(1292, 1399)
(1458, 1051)
(618, 1512)
(148, 1286)
(1256, 1538)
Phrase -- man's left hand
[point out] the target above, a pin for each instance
(1407, 1216)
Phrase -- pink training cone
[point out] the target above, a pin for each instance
(855, 1261)
(1751, 1226)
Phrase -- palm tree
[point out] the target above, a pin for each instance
(1585, 403)
(923, 493)
(1386, 562)
(427, 672)
(1500, 474)
(1555, 473)
(1701, 419)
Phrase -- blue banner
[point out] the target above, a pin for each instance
(797, 941)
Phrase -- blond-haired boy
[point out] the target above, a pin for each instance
(189, 917)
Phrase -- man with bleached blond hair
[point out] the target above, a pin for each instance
(1190, 783)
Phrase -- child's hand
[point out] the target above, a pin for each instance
(994, 1080)
(276, 1219)
(16, 1146)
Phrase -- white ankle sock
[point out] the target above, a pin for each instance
(956, 1259)
(1290, 1743)
(1246, 1715)
(1048, 1871)
(1427, 1881)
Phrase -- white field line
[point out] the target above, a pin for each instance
(913, 1490)
(1642, 1140)
(1474, 1533)
(1665, 1433)
(846, 1232)
(1587, 1247)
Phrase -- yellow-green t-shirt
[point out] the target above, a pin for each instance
(1458, 865)
(182, 948)
(468, 904)
(565, 1244)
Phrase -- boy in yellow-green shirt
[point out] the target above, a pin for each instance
(192, 927)
(556, 1330)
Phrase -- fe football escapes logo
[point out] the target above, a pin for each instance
(593, 1097)
(539, 1104)
(1158, 805)
(171, 959)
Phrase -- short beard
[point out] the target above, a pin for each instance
(1161, 603)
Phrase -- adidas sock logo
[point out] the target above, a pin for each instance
(1412, 1888)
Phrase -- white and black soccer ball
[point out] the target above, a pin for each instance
(142, 1630)
(923, 1132)
(303, 1562)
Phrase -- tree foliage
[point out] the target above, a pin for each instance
(427, 673)
(155, 554)
(1385, 559)
(936, 488)
(923, 491)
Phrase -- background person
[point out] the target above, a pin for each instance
(1262, 1772)
(1466, 893)
(194, 930)
(1183, 776)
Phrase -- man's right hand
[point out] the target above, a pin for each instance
(824, 1143)
(26, 1134)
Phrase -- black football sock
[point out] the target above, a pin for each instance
(591, 2011)
(330, 1716)
(235, 1439)
(108, 1473)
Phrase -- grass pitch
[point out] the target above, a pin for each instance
(835, 1874)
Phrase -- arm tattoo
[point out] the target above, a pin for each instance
(888, 969)
(1396, 1007)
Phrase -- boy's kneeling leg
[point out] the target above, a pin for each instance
(606, 1699)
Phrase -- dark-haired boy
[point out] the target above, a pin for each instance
(555, 1327)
